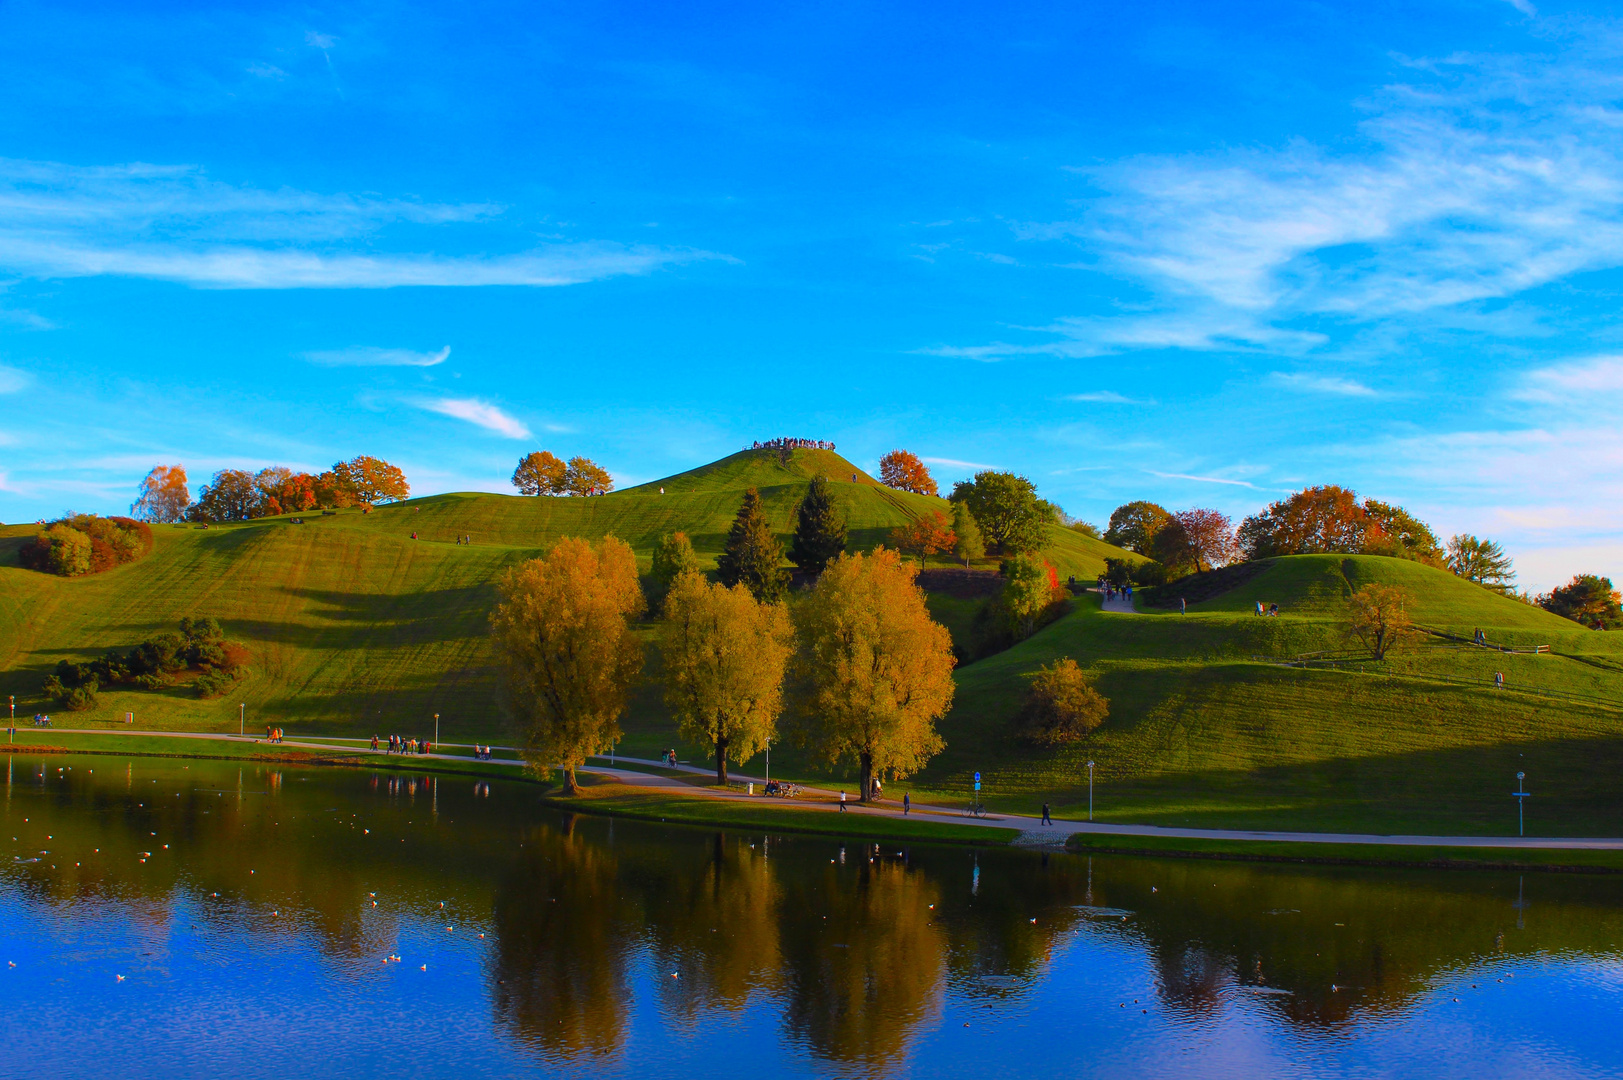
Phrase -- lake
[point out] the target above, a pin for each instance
(172, 918)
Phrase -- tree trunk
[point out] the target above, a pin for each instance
(570, 787)
(721, 762)
(867, 775)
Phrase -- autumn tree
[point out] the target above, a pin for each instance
(541, 473)
(925, 535)
(878, 668)
(1133, 525)
(1377, 616)
(332, 493)
(967, 544)
(820, 531)
(673, 557)
(371, 480)
(724, 654)
(902, 469)
(1481, 561)
(232, 496)
(1588, 599)
(1006, 508)
(1395, 532)
(753, 555)
(583, 476)
(164, 496)
(282, 491)
(568, 653)
(1315, 521)
(1061, 705)
(1172, 548)
(1209, 538)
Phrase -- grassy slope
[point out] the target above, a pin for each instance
(1200, 734)
(355, 627)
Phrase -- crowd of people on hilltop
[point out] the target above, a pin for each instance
(793, 444)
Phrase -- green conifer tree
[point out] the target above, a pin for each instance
(819, 529)
(753, 555)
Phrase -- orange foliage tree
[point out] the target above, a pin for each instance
(903, 470)
(925, 535)
(877, 668)
(568, 651)
(164, 496)
(541, 472)
(364, 480)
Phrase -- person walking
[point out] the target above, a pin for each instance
(1183, 606)
(842, 801)
(907, 804)
(1046, 819)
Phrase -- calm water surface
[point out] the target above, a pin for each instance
(307, 922)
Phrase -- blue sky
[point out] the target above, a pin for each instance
(1202, 254)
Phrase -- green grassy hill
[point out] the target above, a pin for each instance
(355, 626)
(1208, 728)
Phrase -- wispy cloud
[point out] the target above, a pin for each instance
(1322, 384)
(371, 356)
(12, 380)
(478, 412)
(1478, 177)
(1107, 397)
(956, 464)
(1203, 479)
(174, 223)
(1573, 384)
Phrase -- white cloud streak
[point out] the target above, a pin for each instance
(1106, 397)
(954, 463)
(173, 223)
(1323, 384)
(12, 380)
(1478, 178)
(1202, 479)
(480, 413)
(371, 356)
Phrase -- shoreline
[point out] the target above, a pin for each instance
(634, 791)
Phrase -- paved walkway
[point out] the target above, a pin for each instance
(1119, 604)
(1033, 831)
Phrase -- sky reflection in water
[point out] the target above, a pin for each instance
(250, 945)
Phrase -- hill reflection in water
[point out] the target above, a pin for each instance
(237, 901)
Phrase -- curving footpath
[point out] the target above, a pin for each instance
(1033, 831)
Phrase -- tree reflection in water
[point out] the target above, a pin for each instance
(853, 951)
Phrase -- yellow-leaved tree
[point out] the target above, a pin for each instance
(568, 653)
(724, 654)
(879, 668)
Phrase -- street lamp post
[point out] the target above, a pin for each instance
(1090, 790)
(768, 762)
(1521, 796)
(436, 729)
(242, 720)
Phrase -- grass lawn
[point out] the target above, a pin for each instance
(1609, 862)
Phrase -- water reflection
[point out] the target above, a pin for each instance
(852, 954)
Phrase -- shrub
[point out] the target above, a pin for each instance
(216, 681)
(71, 688)
(1062, 706)
(86, 544)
